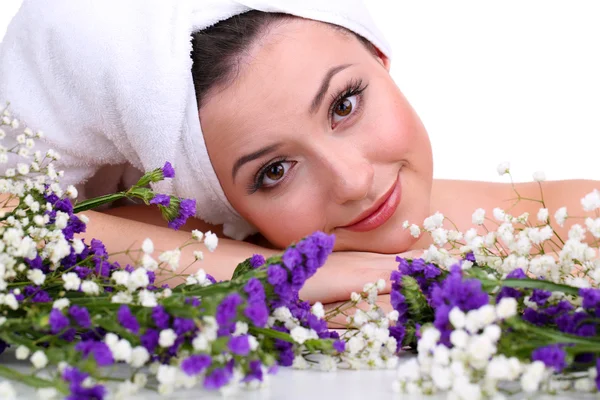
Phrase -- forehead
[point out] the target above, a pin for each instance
(276, 80)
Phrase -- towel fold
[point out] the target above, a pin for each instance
(109, 82)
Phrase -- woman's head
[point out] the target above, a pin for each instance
(307, 131)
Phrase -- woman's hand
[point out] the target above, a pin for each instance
(348, 271)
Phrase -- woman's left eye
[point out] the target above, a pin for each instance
(344, 108)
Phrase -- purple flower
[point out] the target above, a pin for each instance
(576, 324)
(218, 378)
(276, 275)
(100, 351)
(298, 278)
(58, 321)
(160, 317)
(187, 208)
(36, 294)
(286, 357)
(149, 340)
(195, 364)
(78, 392)
(168, 171)
(258, 313)
(591, 299)
(255, 290)
(255, 372)
(536, 317)
(193, 301)
(127, 319)
(540, 296)
(339, 346)
(397, 332)
(257, 260)
(552, 356)
(161, 199)
(239, 345)
(292, 258)
(80, 315)
(227, 309)
(183, 325)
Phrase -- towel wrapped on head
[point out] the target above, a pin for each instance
(110, 84)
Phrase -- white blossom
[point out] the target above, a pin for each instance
(61, 303)
(90, 287)
(167, 338)
(171, 257)
(36, 276)
(39, 359)
(478, 216)
(542, 215)
(560, 216)
(433, 222)
(211, 241)
(197, 235)
(506, 308)
(22, 352)
(148, 246)
(539, 176)
(503, 168)
(591, 201)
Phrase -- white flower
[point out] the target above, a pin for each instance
(211, 241)
(201, 343)
(355, 345)
(499, 214)
(22, 352)
(429, 339)
(7, 391)
(148, 246)
(166, 374)
(409, 371)
(593, 226)
(10, 301)
(493, 332)
(39, 359)
(90, 287)
(171, 257)
(539, 176)
(149, 263)
(433, 222)
(283, 314)
(167, 338)
(459, 338)
(197, 235)
(415, 230)
(442, 377)
(61, 303)
(300, 363)
(241, 328)
(71, 280)
(122, 298)
(36, 276)
(534, 373)
(503, 168)
(542, 215)
(318, 310)
(147, 298)
(138, 279)
(78, 245)
(139, 357)
(506, 308)
(48, 393)
(300, 334)
(121, 349)
(198, 255)
(457, 318)
(591, 201)
(439, 236)
(478, 216)
(561, 215)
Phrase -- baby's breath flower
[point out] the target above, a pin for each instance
(171, 257)
(22, 352)
(167, 338)
(478, 216)
(433, 222)
(560, 216)
(211, 241)
(542, 215)
(591, 201)
(197, 235)
(148, 246)
(198, 255)
(39, 359)
(539, 176)
(503, 168)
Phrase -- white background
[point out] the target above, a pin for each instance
(493, 81)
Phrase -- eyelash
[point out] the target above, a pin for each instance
(352, 88)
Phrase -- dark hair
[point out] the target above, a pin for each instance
(217, 50)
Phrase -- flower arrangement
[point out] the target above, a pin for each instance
(486, 314)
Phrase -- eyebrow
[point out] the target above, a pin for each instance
(251, 157)
(318, 99)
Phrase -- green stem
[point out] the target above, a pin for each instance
(30, 380)
(97, 202)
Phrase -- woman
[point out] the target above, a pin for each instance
(307, 131)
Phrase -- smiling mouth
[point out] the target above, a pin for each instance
(380, 212)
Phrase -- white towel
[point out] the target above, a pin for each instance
(109, 82)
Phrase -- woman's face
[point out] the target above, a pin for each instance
(313, 134)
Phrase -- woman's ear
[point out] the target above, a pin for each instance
(383, 59)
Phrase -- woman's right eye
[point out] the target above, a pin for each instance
(272, 174)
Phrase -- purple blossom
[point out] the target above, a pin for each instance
(298, 278)
(255, 290)
(127, 319)
(576, 324)
(82, 272)
(100, 351)
(339, 346)
(150, 339)
(536, 317)
(193, 301)
(218, 378)
(74, 225)
(257, 260)
(292, 258)
(78, 391)
(540, 297)
(591, 300)
(239, 345)
(80, 315)
(161, 199)
(276, 275)
(64, 205)
(257, 313)
(195, 364)
(552, 356)
(160, 317)
(286, 357)
(227, 310)
(397, 332)
(168, 171)
(255, 372)
(58, 321)
(187, 209)
(183, 325)
(36, 294)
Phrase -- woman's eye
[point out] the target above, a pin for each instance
(344, 108)
(273, 173)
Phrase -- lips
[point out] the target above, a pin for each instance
(380, 212)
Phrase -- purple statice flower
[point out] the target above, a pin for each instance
(78, 390)
(255, 290)
(58, 322)
(183, 325)
(291, 258)
(257, 313)
(195, 364)
(398, 332)
(161, 199)
(576, 324)
(239, 345)
(160, 317)
(151, 277)
(193, 301)
(591, 300)
(80, 315)
(218, 378)
(470, 256)
(536, 317)
(82, 272)
(317, 324)
(64, 205)
(127, 319)
(99, 350)
(150, 339)
(255, 373)
(37, 263)
(508, 291)
(187, 209)
(540, 297)
(286, 357)
(211, 278)
(129, 268)
(276, 275)
(257, 260)
(168, 171)
(553, 356)
(339, 346)
(227, 312)
(74, 225)
(36, 295)
(298, 278)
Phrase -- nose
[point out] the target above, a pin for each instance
(351, 174)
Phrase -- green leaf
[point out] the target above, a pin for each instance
(419, 309)
(242, 268)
